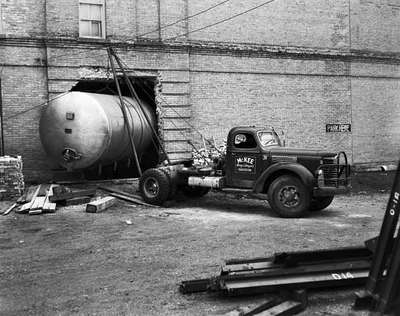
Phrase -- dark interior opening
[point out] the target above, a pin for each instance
(144, 87)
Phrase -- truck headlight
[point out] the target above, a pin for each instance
(320, 178)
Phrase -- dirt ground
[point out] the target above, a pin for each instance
(130, 259)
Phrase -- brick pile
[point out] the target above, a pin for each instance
(11, 177)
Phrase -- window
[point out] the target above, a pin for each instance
(245, 140)
(91, 18)
(268, 139)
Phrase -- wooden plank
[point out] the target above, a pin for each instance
(100, 205)
(73, 194)
(27, 206)
(135, 199)
(35, 212)
(44, 188)
(59, 189)
(38, 203)
(7, 211)
(112, 190)
(283, 309)
(27, 196)
(49, 207)
(76, 201)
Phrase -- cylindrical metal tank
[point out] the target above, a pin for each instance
(80, 129)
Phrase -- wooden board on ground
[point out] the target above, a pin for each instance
(112, 190)
(49, 207)
(76, 201)
(27, 196)
(26, 207)
(132, 198)
(44, 189)
(7, 211)
(38, 203)
(59, 189)
(126, 196)
(73, 194)
(35, 212)
(100, 205)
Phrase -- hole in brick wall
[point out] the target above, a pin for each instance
(145, 88)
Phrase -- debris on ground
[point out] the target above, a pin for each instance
(11, 177)
(100, 205)
(133, 198)
(45, 198)
(9, 209)
(287, 303)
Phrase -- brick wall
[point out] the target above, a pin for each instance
(294, 96)
(23, 17)
(312, 23)
(216, 87)
(375, 25)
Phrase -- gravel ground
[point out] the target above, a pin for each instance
(130, 259)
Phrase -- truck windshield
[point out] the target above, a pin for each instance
(268, 139)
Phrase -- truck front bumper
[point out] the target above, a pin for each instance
(330, 191)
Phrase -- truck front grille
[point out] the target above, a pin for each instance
(334, 174)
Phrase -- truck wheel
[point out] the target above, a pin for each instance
(289, 197)
(194, 192)
(319, 203)
(154, 185)
(172, 186)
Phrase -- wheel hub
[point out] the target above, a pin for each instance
(151, 187)
(289, 196)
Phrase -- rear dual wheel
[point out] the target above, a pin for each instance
(155, 186)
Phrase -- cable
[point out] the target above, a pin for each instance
(221, 21)
(177, 113)
(184, 19)
(38, 105)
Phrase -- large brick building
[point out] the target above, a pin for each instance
(298, 65)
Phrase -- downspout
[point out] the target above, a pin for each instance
(159, 19)
(45, 63)
(1, 96)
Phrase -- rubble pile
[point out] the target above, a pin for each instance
(205, 156)
(11, 177)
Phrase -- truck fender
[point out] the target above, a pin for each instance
(283, 168)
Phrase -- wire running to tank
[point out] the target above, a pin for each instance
(177, 113)
(37, 105)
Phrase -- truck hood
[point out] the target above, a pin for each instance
(288, 151)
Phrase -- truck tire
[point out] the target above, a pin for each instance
(172, 186)
(194, 192)
(320, 203)
(154, 186)
(289, 197)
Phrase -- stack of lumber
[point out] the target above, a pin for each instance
(11, 177)
(45, 198)
(36, 200)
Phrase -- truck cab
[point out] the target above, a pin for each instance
(247, 155)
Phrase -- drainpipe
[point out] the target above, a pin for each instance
(46, 65)
(1, 97)
(159, 19)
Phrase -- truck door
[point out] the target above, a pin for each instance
(244, 160)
